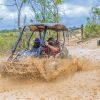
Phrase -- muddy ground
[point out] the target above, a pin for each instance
(81, 83)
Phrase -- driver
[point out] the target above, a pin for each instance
(35, 48)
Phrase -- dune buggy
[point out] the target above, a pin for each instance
(43, 32)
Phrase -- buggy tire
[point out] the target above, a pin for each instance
(98, 42)
(63, 54)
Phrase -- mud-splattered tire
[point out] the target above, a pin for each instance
(63, 54)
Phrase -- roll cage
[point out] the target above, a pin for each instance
(40, 28)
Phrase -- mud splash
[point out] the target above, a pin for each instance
(48, 69)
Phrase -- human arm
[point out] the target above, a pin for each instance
(54, 49)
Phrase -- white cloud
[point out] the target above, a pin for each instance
(12, 15)
(2, 8)
(6, 13)
(1, 1)
(28, 12)
(74, 10)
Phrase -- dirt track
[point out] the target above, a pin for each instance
(82, 85)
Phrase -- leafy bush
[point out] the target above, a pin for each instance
(92, 28)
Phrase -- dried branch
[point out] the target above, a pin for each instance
(16, 5)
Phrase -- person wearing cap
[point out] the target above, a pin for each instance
(35, 48)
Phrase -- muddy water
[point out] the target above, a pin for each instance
(47, 69)
(50, 79)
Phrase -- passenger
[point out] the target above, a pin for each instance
(54, 49)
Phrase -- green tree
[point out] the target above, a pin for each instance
(46, 11)
(96, 14)
(58, 1)
(92, 28)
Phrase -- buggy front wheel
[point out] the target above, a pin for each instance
(63, 54)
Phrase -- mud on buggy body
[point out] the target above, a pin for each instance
(42, 50)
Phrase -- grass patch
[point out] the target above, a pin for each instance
(7, 39)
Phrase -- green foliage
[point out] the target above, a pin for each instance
(96, 11)
(46, 11)
(24, 1)
(7, 39)
(92, 28)
(59, 1)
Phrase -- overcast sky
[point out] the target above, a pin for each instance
(73, 13)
